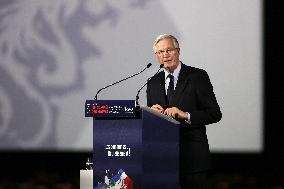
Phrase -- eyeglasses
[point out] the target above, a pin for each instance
(168, 51)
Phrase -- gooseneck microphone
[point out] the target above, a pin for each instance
(148, 66)
(137, 96)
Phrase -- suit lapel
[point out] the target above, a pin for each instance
(183, 82)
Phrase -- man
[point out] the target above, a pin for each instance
(186, 94)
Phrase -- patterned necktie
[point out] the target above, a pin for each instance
(170, 90)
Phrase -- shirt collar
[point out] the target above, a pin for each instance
(175, 73)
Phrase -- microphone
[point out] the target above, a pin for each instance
(148, 66)
(137, 96)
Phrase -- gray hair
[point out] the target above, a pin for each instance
(164, 36)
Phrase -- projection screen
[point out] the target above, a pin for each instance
(57, 54)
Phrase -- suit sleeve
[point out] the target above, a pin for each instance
(208, 110)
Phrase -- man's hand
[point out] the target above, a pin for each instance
(158, 108)
(176, 113)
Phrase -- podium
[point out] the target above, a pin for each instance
(137, 149)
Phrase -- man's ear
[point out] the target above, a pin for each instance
(178, 49)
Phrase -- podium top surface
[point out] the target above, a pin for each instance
(158, 114)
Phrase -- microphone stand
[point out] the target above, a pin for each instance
(96, 97)
(137, 96)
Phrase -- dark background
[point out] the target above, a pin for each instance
(237, 170)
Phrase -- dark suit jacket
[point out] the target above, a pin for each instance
(193, 94)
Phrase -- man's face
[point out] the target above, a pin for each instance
(167, 54)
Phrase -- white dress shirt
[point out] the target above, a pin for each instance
(175, 74)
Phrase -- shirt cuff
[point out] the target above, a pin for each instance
(188, 118)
